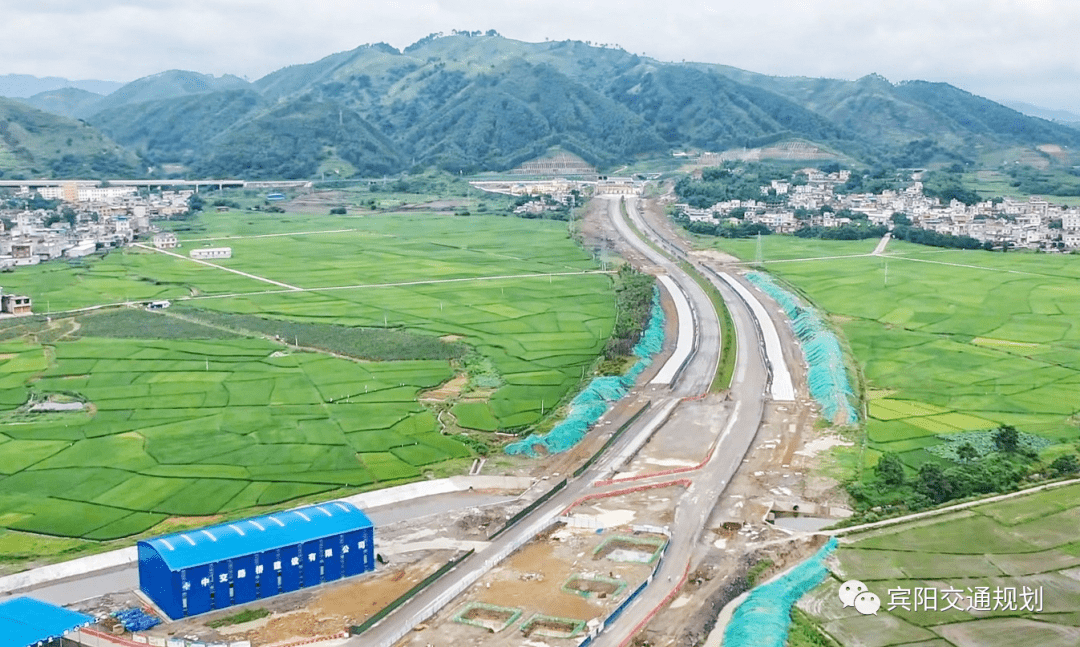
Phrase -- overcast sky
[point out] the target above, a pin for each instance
(1002, 49)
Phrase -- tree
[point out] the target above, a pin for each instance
(900, 218)
(933, 484)
(966, 452)
(195, 202)
(889, 469)
(1007, 438)
(1064, 465)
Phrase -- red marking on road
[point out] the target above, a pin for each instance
(667, 600)
(630, 490)
(116, 640)
(676, 470)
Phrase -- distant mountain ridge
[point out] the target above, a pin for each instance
(22, 86)
(66, 102)
(1062, 116)
(474, 102)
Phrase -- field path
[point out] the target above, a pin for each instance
(973, 267)
(881, 245)
(293, 289)
(215, 265)
(945, 510)
(363, 286)
(803, 260)
(288, 233)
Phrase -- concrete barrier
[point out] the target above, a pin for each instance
(409, 491)
(72, 568)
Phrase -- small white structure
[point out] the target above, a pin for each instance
(211, 252)
(84, 248)
(165, 240)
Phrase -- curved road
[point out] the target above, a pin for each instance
(694, 379)
(748, 389)
(691, 377)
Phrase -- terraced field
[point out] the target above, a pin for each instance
(185, 427)
(949, 341)
(1016, 585)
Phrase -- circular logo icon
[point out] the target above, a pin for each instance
(850, 590)
(867, 603)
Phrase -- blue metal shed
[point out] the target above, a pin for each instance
(196, 571)
(25, 622)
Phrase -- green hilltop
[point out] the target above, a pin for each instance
(473, 101)
(36, 143)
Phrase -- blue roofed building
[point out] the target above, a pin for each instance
(193, 572)
(25, 622)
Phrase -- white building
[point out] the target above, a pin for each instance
(51, 192)
(103, 193)
(211, 252)
(165, 240)
(84, 248)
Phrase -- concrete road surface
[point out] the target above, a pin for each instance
(748, 389)
(695, 379)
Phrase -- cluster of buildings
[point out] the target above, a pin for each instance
(1031, 223)
(97, 218)
(89, 218)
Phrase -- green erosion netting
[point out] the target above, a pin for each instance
(594, 400)
(826, 377)
(763, 619)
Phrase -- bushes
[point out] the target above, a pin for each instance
(980, 471)
(633, 299)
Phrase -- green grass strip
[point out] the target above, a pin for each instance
(725, 369)
(243, 616)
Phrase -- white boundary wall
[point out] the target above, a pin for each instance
(781, 386)
(389, 496)
(73, 568)
(684, 343)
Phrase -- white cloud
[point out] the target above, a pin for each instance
(1007, 49)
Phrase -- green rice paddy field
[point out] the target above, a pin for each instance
(953, 341)
(201, 427)
(1027, 542)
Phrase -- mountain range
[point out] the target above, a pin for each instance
(473, 101)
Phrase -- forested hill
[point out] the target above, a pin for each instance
(40, 144)
(472, 101)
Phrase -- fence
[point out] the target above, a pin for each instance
(94, 638)
(407, 595)
(403, 628)
(618, 611)
(614, 437)
(524, 512)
